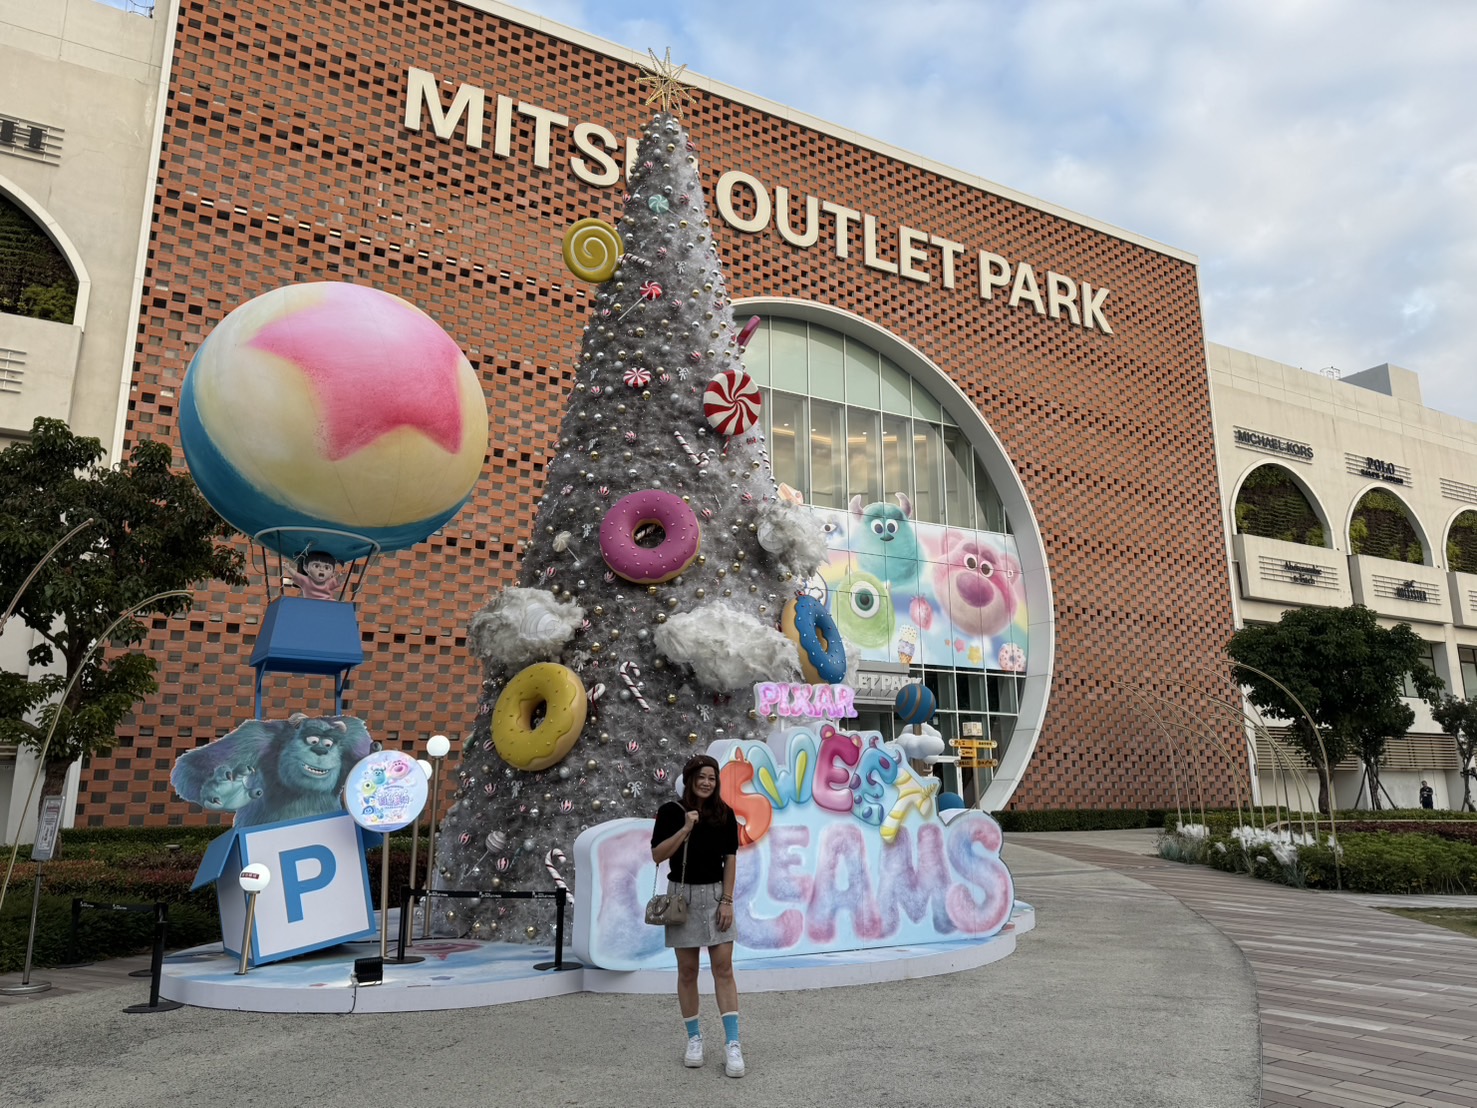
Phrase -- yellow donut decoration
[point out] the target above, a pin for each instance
(592, 250)
(561, 694)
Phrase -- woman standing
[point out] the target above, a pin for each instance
(700, 835)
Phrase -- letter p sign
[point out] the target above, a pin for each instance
(304, 869)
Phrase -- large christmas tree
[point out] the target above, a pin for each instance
(660, 411)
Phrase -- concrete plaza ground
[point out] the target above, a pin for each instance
(1144, 984)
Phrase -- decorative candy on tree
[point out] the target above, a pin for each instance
(660, 561)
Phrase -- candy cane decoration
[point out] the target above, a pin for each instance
(631, 675)
(696, 458)
(592, 697)
(553, 856)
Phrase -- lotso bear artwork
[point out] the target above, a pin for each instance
(902, 590)
(270, 771)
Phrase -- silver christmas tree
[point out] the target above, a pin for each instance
(665, 667)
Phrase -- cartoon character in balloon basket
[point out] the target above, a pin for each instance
(317, 575)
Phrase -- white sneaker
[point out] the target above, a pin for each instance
(694, 1056)
(734, 1064)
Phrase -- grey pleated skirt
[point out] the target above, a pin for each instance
(700, 928)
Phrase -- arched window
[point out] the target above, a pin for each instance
(1461, 543)
(35, 278)
(1381, 528)
(924, 570)
(1271, 505)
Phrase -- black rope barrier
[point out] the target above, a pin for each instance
(154, 973)
(79, 905)
(559, 896)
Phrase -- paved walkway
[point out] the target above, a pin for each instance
(1357, 1006)
(1146, 983)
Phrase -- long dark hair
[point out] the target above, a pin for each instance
(715, 809)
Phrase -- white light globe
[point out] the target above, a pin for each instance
(438, 746)
(426, 767)
(255, 877)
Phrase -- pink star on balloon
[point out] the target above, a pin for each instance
(375, 364)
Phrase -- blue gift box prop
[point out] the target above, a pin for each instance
(319, 894)
(299, 635)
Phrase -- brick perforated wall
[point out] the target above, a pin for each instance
(285, 159)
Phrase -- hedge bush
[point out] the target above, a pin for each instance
(1079, 819)
(1222, 820)
(133, 866)
(1378, 862)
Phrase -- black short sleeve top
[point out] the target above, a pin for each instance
(706, 847)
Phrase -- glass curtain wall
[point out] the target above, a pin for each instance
(841, 420)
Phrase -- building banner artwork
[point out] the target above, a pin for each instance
(922, 593)
(842, 847)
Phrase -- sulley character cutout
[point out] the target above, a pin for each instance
(268, 771)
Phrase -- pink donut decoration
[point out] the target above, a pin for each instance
(731, 402)
(661, 563)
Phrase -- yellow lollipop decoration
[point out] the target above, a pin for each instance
(592, 250)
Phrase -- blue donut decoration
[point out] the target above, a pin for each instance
(915, 704)
(822, 654)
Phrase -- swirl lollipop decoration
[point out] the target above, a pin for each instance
(731, 402)
(592, 250)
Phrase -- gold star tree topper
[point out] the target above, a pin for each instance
(667, 91)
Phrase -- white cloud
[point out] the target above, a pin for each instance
(1318, 155)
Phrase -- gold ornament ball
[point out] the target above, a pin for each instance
(646, 395)
(595, 805)
(530, 931)
(650, 590)
(671, 698)
(616, 633)
(596, 648)
(661, 617)
(702, 559)
(692, 736)
(604, 737)
(753, 713)
(592, 765)
(599, 611)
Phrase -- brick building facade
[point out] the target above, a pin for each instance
(302, 143)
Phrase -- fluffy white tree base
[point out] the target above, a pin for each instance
(726, 648)
(792, 535)
(522, 626)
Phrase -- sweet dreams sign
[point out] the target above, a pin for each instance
(841, 847)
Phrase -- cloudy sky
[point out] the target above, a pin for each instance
(1319, 156)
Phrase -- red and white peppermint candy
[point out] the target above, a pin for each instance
(731, 402)
(651, 290)
(636, 377)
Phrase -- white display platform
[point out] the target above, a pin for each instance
(468, 974)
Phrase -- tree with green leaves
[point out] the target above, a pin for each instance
(1458, 718)
(1347, 671)
(151, 532)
